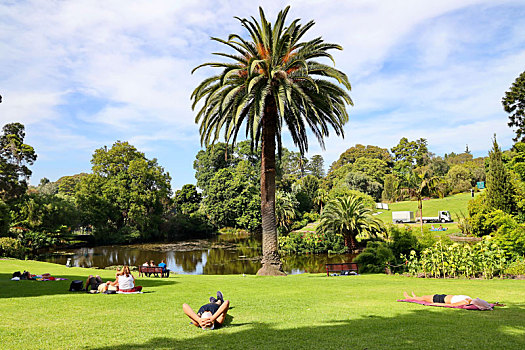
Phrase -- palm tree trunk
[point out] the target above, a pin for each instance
(350, 242)
(271, 261)
(420, 207)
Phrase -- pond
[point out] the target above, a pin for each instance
(221, 255)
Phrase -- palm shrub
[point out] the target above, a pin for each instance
(285, 210)
(273, 80)
(350, 217)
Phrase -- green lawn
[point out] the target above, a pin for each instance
(454, 204)
(309, 311)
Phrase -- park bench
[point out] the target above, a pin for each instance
(155, 270)
(342, 268)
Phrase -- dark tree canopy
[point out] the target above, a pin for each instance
(514, 104)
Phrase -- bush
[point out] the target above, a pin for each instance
(517, 267)
(298, 242)
(484, 259)
(374, 257)
(11, 247)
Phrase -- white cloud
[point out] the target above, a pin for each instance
(131, 61)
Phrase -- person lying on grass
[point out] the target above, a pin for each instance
(449, 299)
(93, 282)
(211, 315)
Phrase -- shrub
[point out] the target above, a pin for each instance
(11, 247)
(298, 242)
(516, 267)
(374, 257)
(484, 259)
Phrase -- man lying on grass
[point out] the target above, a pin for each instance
(211, 315)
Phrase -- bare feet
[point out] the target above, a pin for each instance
(414, 295)
(405, 294)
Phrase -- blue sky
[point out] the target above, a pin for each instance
(83, 74)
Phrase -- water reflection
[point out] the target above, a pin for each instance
(219, 256)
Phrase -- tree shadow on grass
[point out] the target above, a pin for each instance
(419, 328)
(31, 288)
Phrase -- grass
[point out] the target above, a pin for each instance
(455, 204)
(300, 312)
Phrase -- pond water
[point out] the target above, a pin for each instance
(222, 255)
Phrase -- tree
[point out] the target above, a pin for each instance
(231, 198)
(15, 156)
(407, 154)
(211, 160)
(417, 185)
(350, 217)
(274, 80)
(514, 104)
(126, 195)
(315, 166)
(187, 199)
(361, 151)
(285, 210)
(500, 190)
(363, 183)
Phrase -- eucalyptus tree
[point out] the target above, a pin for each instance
(349, 216)
(272, 81)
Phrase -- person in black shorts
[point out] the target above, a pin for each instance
(450, 299)
(211, 315)
(93, 282)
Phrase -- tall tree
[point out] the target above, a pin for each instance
(514, 104)
(125, 196)
(15, 158)
(350, 217)
(500, 191)
(418, 185)
(272, 81)
(316, 166)
(407, 154)
(361, 151)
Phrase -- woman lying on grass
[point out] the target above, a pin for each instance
(449, 299)
(211, 315)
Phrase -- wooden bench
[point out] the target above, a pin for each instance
(342, 268)
(155, 270)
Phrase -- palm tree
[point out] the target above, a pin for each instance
(285, 209)
(273, 80)
(416, 185)
(350, 217)
(321, 197)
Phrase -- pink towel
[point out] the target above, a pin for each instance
(466, 307)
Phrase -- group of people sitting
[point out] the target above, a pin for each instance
(162, 264)
(440, 228)
(124, 283)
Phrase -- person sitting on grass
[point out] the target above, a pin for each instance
(211, 315)
(92, 283)
(126, 281)
(449, 299)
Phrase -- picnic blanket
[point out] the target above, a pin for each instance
(466, 307)
(119, 292)
(47, 277)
